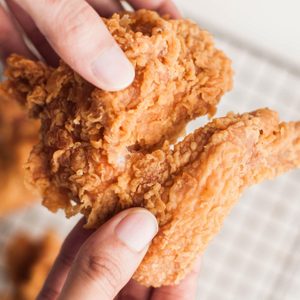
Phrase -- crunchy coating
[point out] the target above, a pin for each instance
(102, 152)
(88, 133)
(199, 182)
(18, 134)
(28, 262)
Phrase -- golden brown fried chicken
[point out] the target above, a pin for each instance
(87, 134)
(17, 136)
(28, 263)
(192, 188)
(101, 152)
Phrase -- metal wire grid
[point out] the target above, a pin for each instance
(257, 253)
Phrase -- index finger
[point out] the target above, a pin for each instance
(81, 39)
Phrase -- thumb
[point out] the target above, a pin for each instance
(108, 259)
(79, 36)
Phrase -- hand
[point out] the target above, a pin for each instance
(76, 34)
(98, 264)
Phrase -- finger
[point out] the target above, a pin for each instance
(81, 39)
(108, 259)
(11, 40)
(58, 274)
(163, 7)
(106, 8)
(186, 290)
(133, 290)
(33, 33)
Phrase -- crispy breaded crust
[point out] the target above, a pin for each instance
(88, 133)
(195, 186)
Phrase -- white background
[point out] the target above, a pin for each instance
(273, 25)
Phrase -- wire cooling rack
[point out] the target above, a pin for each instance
(257, 253)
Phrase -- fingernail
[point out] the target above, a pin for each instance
(112, 69)
(137, 229)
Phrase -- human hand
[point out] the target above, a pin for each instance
(72, 30)
(99, 264)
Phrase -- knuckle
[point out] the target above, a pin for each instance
(67, 17)
(70, 29)
(72, 20)
(103, 269)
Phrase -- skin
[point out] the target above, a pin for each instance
(77, 24)
(113, 264)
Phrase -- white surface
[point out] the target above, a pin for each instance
(272, 25)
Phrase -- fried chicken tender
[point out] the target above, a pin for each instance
(18, 134)
(28, 263)
(102, 152)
